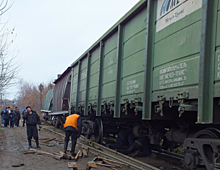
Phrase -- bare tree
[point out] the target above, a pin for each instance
(8, 67)
(29, 94)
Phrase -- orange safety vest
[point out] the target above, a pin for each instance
(72, 121)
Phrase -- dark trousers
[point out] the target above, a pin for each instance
(73, 135)
(3, 119)
(6, 123)
(131, 149)
(11, 123)
(17, 122)
(23, 122)
(32, 132)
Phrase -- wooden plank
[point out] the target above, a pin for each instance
(72, 165)
(18, 165)
(91, 164)
(81, 153)
(77, 155)
(43, 153)
(49, 140)
(43, 138)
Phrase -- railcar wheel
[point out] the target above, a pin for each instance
(98, 135)
(209, 133)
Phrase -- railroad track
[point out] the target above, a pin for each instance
(169, 156)
(101, 150)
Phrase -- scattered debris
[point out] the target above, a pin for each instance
(18, 165)
(47, 144)
(43, 138)
(78, 154)
(44, 143)
(43, 153)
(85, 152)
(91, 164)
(65, 156)
(49, 140)
(105, 162)
(72, 165)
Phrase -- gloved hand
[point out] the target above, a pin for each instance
(78, 135)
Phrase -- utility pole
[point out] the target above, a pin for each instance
(41, 88)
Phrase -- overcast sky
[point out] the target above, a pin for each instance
(52, 34)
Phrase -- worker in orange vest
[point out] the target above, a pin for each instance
(73, 127)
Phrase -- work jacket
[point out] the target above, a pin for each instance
(32, 119)
(73, 123)
(17, 113)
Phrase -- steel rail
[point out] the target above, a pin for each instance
(170, 157)
(102, 150)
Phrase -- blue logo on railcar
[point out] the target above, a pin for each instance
(168, 5)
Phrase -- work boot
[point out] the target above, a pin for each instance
(29, 144)
(73, 154)
(37, 144)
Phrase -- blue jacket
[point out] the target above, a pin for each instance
(6, 115)
(23, 111)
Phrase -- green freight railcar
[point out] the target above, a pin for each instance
(159, 67)
(48, 101)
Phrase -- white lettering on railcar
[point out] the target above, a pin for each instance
(132, 86)
(110, 70)
(110, 62)
(218, 72)
(173, 76)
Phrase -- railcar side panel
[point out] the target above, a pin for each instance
(176, 55)
(82, 83)
(94, 71)
(218, 5)
(109, 68)
(133, 55)
(74, 86)
(218, 30)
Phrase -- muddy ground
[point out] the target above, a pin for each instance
(13, 142)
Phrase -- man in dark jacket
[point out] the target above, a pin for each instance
(11, 118)
(32, 119)
(141, 144)
(6, 117)
(125, 138)
(2, 116)
(17, 116)
(73, 127)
